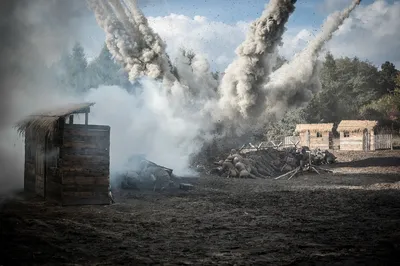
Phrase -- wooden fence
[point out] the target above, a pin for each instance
(291, 141)
(383, 141)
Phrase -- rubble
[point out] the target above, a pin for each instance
(186, 186)
(145, 174)
(269, 162)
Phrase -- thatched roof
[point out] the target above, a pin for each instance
(356, 125)
(324, 127)
(44, 122)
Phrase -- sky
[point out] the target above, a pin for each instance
(215, 28)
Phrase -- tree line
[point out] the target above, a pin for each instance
(351, 88)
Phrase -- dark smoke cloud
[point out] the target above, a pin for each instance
(33, 34)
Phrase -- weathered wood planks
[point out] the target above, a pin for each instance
(85, 164)
(76, 164)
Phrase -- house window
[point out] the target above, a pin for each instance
(319, 135)
(346, 134)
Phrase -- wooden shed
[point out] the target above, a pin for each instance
(357, 135)
(65, 162)
(315, 135)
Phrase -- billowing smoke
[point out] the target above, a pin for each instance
(131, 41)
(248, 91)
(167, 129)
(241, 85)
(149, 124)
(33, 34)
(294, 84)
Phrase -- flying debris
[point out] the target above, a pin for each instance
(358, 2)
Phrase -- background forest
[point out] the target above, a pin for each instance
(351, 88)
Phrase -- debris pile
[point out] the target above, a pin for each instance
(308, 161)
(146, 175)
(319, 157)
(266, 163)
(255, 164)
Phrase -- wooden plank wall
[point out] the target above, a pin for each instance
(85, 164)
(320, 142)
(303, 139)
(39, 168)
(352, 143)
(30, 158)
(316, 142)
(53, 176)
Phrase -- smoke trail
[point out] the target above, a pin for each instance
(107, 23)
(132, 41)
(156, 51)
(240, 86)
(34, 33)
(194, 72)
(294, 84)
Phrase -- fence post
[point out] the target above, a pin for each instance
(391, 141)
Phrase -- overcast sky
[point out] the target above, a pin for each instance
(216, 27)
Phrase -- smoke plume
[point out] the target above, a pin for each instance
(240, 87)
(249, 95)
(33, 34)
(167, 129)
(294, 84)
(148, 123)
(131, 41)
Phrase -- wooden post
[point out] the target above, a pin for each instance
(86, 118)
(71, 119)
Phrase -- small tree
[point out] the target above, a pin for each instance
(388, 75)
(76, 72)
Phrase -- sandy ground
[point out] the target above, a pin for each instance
(350, 217)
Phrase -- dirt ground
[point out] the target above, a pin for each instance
(350, 217)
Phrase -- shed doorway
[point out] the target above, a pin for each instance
(366, 140)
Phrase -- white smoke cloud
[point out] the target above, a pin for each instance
(240, 86)
(147, 124)
(131, 41)
(296, 82)
(218, 40)
(167, 129)
(30, 42)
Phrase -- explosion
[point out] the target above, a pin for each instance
(249, 96)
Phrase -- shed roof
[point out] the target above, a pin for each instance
(44, 121)
(356, 125)
(323, 127)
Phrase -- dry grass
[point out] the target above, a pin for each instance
(44, 122)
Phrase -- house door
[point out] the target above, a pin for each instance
(39, 167)
(366, 142)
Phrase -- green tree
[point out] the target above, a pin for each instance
(324, 105)
(397, 80)
(386, 107)
(103, 70)
(76, 72)
(387, 79)
(347, 85)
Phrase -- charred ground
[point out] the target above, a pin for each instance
(347, 218)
